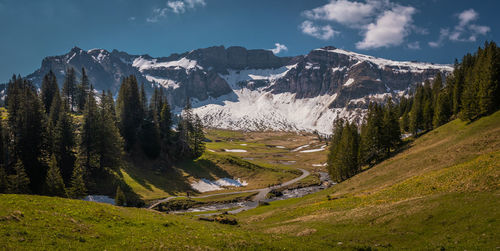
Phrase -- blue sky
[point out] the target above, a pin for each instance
(434, 31)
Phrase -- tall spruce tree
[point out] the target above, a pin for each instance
(54, 181)
(390, 128)
(19, 182)
(110, 142)
(64, 143)
(82, 91)
(198, 138)
(129, 111)
(49, 89)
(78, 188)
(69, 89)
(26, 126)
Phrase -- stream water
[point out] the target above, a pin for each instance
(245, 205)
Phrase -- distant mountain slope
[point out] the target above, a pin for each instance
(237, 88)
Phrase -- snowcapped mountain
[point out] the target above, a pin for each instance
(245, 89)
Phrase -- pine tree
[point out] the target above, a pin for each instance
(343, 161)
(120, 199)
(49, 89)
(110, 144)
(27, 125)
(372, 136)
(64, 143)
(150, 136)
(4, 182)
(54, 180)
(442, 112)
(69, 89)
(198, 138)
(416, 114)
(390, 128)
(165, 125)
(19, 181)
(82, 91)
(489, 80)
(129, 111)
(88, 156)
(78, 188)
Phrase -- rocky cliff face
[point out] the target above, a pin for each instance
(254, 89)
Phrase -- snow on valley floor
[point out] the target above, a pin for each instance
(235, 150)
(205, 185)
(314, 150)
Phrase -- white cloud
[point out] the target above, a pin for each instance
(464, 31)
(279, 48)
(414, 45)
(131, 19)
(324, 32)
(177, 7)
(467, 16)
(390, 29)
(345, 12)
(380, 22)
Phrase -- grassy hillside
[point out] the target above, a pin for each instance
(441, 192)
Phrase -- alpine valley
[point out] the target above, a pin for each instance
(240, 89)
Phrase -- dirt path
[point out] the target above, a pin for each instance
(253, 204)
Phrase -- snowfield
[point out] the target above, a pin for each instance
(255, 110)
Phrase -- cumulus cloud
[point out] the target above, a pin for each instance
(279, 48)
(345, 12)
(390, 29)
(177, 7)
(323, 32)
(380, 22)
(465, 31)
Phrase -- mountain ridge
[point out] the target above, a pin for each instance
(237, 88)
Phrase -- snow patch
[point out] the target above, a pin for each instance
(349, 82)
(314, 150)
(165, 82)
(235, 150)
(145, 64)
(205, 185)
(299, 148)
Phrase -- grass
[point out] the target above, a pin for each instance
(440, 193)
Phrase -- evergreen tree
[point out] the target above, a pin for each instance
(405, 122)
(88, 156)
(442, 112)
(19, 181)
(150, 137)
(78, 188)
(129, 111)
(489, 80)
(4, 181)
(49, 89)
(69, 89)
(198, 138)
(63, 144)
(390, 128)
(343, 158)
(110, 142)
(82, 91)
(120, 199)
(165, 125)
(372, 136)
(416, 115)
(26, 126)
(54, 180)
